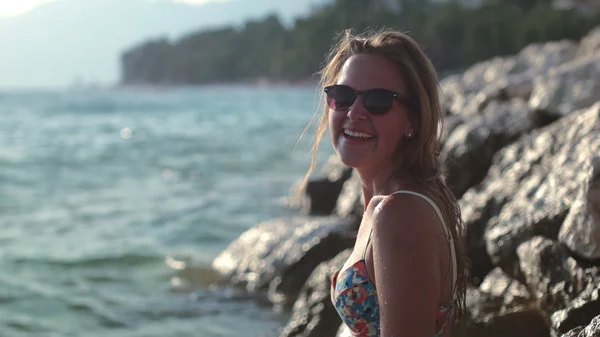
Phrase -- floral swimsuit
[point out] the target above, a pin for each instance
(355, 297)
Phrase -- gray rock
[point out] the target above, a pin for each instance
(468, 105)
(478, 205)
(590, 44)
(451, 123)
(280, 254)
(524, 177)
(451, 86)
(481, 74)
(534, 60)
(313, 314)
(581, 229)
(512, 293)
(335, 170)
(350, 202)
(579, 314)
(504, 77)
(592, 330)
(556, 279)
(486, 316)
(470, 147)
(570, 87)
(518, 86)
(540, 176)
(322, 196)
(322, 190)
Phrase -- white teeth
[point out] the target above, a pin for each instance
(357, 134)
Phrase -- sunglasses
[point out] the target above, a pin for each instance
(376, 101)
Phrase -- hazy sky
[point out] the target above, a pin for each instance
(18, 7)
(57, 43)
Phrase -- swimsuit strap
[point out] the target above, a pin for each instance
(448, 235)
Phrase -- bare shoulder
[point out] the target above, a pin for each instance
(407, 216)
(408, 244)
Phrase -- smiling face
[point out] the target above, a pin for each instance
(363, 140)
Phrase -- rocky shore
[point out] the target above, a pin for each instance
(522, 152)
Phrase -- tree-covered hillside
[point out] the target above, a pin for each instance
(453, 36)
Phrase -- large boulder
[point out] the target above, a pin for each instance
(581, 229)
(469, 149)
(579, 313)
(320, 195)
(490, 98)
(511, 292)
(540, 193)
(504, 77)
(590, 44)
(525, 194)
(591, 330)
(279, 255)
(350, 203)
(570, 87)
(557, 280)
(313, 314)
(489, 315)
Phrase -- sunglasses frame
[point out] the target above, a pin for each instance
(403, 99)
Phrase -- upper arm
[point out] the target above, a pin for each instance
(406, 262)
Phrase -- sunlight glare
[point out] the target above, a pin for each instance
(196, 2)
(18, 7)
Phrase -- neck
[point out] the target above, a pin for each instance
(382, 182)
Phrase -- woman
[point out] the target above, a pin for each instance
(406, 274)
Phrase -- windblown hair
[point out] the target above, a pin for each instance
(420, 156)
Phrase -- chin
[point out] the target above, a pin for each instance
(351, 161)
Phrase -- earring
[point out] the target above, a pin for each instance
(410, 135)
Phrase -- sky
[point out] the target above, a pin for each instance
(10, 8)
(60, 43)
(18, 7)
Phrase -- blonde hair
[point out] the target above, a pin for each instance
(421, 154)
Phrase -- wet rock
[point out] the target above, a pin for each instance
(481, 74)
(581, 229)
(590, 44)
(451, 123)
(591, 330)
(350, 203)
(280, 254)
(534, 60)
(541, 176)
(313, 314)
(570, 87)
(322, 190)
(577, 315)
(478, 205)
(503, 78)
(499, 285)
(322, 196)
(470, 147)
(487, 315)
(555, 278)
(468, 105)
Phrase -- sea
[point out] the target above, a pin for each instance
(115, 201)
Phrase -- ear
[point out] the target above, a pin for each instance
(412, 127)
(409, 133)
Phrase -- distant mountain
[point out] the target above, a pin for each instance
(81, 40)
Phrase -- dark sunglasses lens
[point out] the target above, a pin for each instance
(378, 101)
(340, 97)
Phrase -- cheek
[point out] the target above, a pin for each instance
(336, 120)
(390, 133)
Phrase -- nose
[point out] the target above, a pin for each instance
(357, 111)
